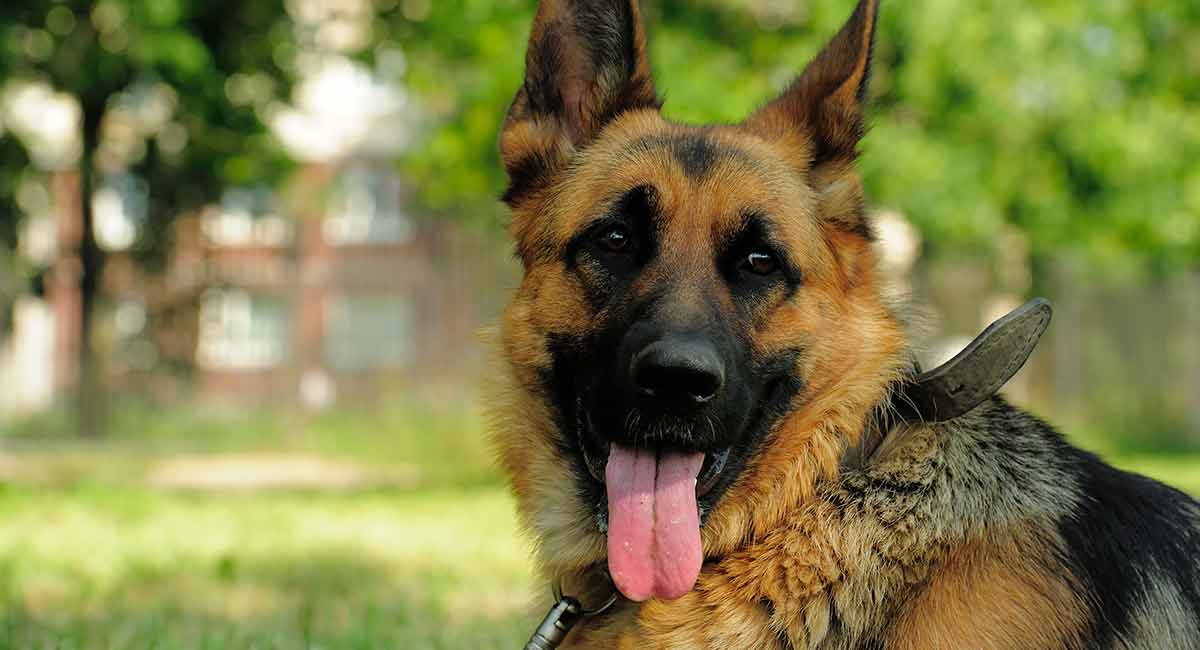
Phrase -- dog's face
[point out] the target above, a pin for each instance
(699, 330)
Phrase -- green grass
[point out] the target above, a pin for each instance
(1178, 470)
(1176, 465)
(431, 446)
(97, 567)
(91, 556)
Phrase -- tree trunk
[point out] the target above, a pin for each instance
(63, 281)
(89, 397)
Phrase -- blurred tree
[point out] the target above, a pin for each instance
(1075, 126)
(1078, 123)
(113, 56)
(12, 276)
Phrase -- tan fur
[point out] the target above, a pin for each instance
(834, 312)
(796, 555)
(989, 595)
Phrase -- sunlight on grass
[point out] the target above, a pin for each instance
(92, 556)
(429, 569)
(430, 446)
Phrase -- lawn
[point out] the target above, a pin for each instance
(414, 545)
(104, 567)
(402, 537)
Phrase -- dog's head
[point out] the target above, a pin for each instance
(699, 331)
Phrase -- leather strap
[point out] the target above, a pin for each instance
(962, 383)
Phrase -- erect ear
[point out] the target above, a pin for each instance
(585, 65)
(822, 114)
(826, 102)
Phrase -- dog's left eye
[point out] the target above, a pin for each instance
(613, 239)
(760, 262)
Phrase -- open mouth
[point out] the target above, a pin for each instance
(651, 512)
(595, 457)
(652, 484)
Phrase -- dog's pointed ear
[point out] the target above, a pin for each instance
(585, 65)
(827, 101)
(822, 115)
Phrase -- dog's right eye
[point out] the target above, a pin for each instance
(613, 239)
(760, 262)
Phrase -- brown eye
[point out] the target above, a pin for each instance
(613, 239)
(760, 262)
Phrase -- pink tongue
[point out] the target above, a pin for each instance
(653, 522)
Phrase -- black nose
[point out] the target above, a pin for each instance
(685, 370)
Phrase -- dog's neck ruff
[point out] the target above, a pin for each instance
(962, 383)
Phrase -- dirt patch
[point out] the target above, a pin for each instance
(272, 472)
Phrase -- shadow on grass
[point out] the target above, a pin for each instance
(325, 599)
(120, 566)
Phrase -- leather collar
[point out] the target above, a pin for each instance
(962, 383)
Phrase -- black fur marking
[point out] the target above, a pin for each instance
(577, 377)
(603, 273)
(595, 42)
(836, 130)
(776, 403)
(558, 382)
(608, 34)
(1128, 533)
(544, 65)
(863, 85)
(696, 153)
(528, 175)
(862, 228)
(755, 232)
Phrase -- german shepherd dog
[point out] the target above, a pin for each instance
(700, 342)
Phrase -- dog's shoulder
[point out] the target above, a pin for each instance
(1087, 554)
(1133, 544)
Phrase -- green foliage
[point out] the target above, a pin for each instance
(12, 160)
(465, 61)
(1076, 123)
(1069, 121)
(96, 50)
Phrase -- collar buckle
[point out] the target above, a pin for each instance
(563, 616)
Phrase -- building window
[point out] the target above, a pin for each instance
(242, 331)
(365, 208)
(247, 217)
(368, 332)
(119, 208)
